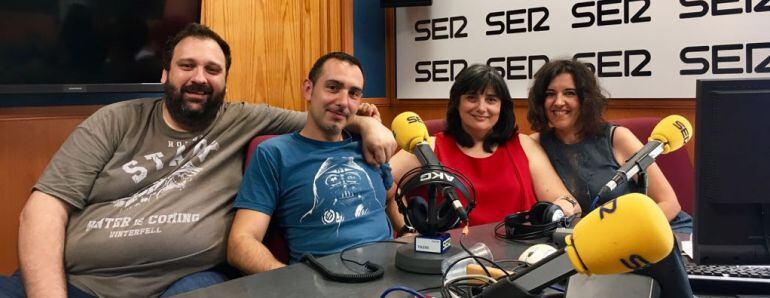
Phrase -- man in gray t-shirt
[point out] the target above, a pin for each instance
(139, 195)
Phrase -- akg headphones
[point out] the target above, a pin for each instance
(543, 219)
(432, 181)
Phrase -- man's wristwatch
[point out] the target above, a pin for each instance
(406, 229)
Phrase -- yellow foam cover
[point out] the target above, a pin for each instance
(673, 131)
(622, 235)
(409, 130)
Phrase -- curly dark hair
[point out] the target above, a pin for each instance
(591, 96)
(198, 31)
(473, 80)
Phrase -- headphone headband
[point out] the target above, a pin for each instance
(436, 179)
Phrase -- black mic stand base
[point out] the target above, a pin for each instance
(408, 259)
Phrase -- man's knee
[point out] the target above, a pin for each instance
(201, 280)
(11, 286)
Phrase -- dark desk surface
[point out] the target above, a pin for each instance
(299, 280)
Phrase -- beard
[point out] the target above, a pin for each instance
(332, 127)
(184, 114)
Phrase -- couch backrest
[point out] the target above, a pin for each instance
(435, 126)
(676, 165)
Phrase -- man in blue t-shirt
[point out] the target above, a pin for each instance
(314, 184)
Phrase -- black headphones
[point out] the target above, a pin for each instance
(421, 186)
(543, 219)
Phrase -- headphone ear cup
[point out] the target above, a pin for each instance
(541, 213)
(550, 213)
(513, 222)
(447, 216)
(417, 211)
(537, 214)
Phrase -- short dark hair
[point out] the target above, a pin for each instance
(315, 71)
(199, 31)
(590, 94)
(474, 80)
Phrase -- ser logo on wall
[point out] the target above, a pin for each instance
(621, 63)
(441, 28)
(518, 21)
(605, 13)
(721, 8)
(726, 59)
(664, 45)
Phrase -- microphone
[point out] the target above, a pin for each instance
(412, 135)
(625, 234)
(669, 135)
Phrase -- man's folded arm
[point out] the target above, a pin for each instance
(378, 141)
(245, 250)
(42, 226)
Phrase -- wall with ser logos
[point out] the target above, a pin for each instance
(639, 49)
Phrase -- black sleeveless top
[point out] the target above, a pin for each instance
(586, 166)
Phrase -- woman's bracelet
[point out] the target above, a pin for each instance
(569, 199)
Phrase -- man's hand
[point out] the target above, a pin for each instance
(369, 110)
(245, 250)
(379, 143)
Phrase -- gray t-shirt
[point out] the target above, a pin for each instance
(152, 204)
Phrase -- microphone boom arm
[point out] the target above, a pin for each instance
(425, 155)
(637, 163)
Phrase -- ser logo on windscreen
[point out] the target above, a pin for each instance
(683, 129)
(413, 119)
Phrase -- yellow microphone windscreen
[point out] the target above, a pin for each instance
(673, 131)
(409, 130)
(625, 234)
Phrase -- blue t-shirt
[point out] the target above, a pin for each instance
(323, 195)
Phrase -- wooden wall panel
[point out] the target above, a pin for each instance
(30, 136)
(274, 44)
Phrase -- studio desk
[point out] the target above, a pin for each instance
(299, 280)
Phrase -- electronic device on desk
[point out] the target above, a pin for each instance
(729, 279)
(542, 219)
(432, 193)
(732, 189)
(624, 234)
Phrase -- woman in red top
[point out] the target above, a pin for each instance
(508, 170)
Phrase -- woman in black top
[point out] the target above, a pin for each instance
(565, 109)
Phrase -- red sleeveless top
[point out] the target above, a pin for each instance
(502, 181)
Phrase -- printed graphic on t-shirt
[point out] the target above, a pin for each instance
(130, 226)
(177, 180)
(342, 190)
